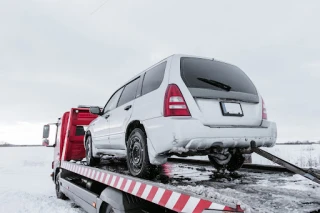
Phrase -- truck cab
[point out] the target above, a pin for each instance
(69, 136)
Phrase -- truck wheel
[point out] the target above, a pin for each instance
(109, 209)
(59, 194)
(91, 161)
(137, 155)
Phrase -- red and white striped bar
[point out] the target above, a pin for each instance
(146, 190)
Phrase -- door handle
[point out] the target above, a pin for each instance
(127, 107)
(107, 116)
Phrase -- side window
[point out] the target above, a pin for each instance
(153, 78)
(129, 92)
(112, 103)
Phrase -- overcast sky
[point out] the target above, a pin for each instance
(56, 54)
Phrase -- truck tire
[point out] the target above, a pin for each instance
(59, 194)
(109, 209)
(91, 161)
(137, 155)
(106, 208)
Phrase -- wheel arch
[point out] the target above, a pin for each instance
(131, 126)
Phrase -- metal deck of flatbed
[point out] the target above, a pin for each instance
(255, 190)
(165, 195)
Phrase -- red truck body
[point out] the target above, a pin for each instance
(70, 143)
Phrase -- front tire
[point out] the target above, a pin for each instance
(59, 194)
(109, 209)
(91, 161)
(137, 155)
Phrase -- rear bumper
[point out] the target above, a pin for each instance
(181, 135)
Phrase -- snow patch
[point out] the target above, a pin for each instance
(178, 150)
(221, 199)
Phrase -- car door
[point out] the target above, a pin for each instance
(120, 116)
(101, 125)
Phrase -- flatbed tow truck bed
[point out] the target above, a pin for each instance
(196, 188)
(168, 196)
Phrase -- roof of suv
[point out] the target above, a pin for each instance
(176, 56)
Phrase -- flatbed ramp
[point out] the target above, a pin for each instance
(157, 193)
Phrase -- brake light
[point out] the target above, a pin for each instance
(174, 103)
(52, 165)
(264, 111)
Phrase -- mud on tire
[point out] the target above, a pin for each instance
(235, 163)
(91, 161)
(137, 155)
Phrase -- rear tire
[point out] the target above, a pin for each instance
(91, 161)
(138, 157)
(235, 163)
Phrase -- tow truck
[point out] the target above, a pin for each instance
(99, 190)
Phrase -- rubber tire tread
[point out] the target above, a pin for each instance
(59, 194)
(109, 209)
(148, 170)
(234, 164)
(93, 161)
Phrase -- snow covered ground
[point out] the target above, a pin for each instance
(301, 155)
(25, 182)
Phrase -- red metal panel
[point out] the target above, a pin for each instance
(64, 125)
(73, 148)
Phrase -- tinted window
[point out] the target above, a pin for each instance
(153, 78)
(112, 103)
(214, 75)
(129, 92)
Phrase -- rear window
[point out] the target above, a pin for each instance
(214, 75)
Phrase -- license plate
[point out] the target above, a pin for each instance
(231, 109)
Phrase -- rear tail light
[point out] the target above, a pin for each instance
(52, 164)
(174, 103)
(264, 111)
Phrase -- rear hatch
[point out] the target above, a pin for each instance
(223, 92)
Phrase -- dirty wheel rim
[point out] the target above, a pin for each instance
(136, 154)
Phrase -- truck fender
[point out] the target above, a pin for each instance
(120, 201)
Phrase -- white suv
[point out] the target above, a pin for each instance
(183, 106)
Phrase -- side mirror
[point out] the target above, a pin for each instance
(95, 110)
(46, 131)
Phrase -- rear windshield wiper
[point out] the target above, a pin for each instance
(216, 84)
